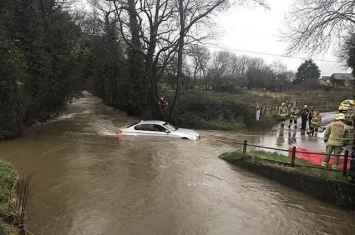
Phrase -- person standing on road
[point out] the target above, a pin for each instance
(304, 116)
(350, 116)
(315, 123)
(310, 116)
(336, 137)
(293, 116)
(283, 113)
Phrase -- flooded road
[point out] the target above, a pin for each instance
(283, 138)
(86, 181)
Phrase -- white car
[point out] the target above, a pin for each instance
(158, 128)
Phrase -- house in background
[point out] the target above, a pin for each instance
(325, 81)
(338, 80)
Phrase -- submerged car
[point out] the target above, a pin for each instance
(158, 128)
(345, 105)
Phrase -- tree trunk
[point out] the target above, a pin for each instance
(179, 71)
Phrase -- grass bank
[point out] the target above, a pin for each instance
(7, 182)
(283, 162)
(327, 185)
(236, 111)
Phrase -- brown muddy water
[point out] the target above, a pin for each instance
(87, 181)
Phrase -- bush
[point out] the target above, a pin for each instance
(221, 111)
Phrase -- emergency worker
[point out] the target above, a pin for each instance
(336, 137)
(163, 106)
(293, 116)
(350, 115)
(304, 116)
(283, 113)
(315, 122)
(310, 116)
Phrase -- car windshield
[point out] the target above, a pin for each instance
(170, 127)
(346, 102)
(133, 124)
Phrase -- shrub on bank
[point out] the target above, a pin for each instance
(219, 111)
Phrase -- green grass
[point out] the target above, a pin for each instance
(277, 160)
(7, 180)
(223, 124)
(8, 229)
(274, 156)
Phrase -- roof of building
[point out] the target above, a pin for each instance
(343, 76)
(325, 78)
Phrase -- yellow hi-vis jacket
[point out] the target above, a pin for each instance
(283, 111)
(293, 113)
(337, 133)
(316, 119)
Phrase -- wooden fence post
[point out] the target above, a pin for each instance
(293, 156)
(245, 144)
(346, 155)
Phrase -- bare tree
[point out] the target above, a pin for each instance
(157, 30)
(313, 25)
(255, 65)
(221, 69)
(200, 57)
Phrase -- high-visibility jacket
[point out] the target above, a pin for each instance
(316, 119)
(350, 114)
(293, 113)
(337, 133)
(283, 111)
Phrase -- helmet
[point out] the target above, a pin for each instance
(283, 104)
(161, 98)
(340, 116)
(305, 106)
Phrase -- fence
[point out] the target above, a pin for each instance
(293, 157)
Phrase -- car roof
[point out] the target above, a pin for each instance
(152, 122)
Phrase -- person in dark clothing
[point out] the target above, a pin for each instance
(304, 116)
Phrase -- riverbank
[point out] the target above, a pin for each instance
(200, 109)
(327, 185)
(7, 182)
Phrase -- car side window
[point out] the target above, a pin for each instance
(144, 127)
(159, 128)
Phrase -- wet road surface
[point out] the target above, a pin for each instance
(86, 181)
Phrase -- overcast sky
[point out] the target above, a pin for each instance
(256, 29)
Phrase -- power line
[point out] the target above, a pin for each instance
(269, 54)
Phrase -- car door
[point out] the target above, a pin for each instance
(150, 129)
(161, 130)
(144, 129)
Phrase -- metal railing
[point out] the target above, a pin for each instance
(293, 156)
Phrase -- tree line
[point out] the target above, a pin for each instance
(40, 59)
(225, 71)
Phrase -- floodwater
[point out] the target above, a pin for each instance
(87, 181)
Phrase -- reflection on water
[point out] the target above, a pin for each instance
(87, 181)
(292, 140)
